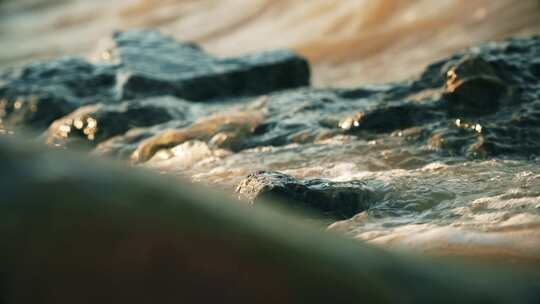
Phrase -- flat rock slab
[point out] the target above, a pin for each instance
(151, 64)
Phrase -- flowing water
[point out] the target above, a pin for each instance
(430, 202)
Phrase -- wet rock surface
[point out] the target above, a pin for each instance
(473, 87)
(36, 95)
(96, 123)
(339, 200)
(153, 65)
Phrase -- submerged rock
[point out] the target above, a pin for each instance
(339, 200)
(151, 64)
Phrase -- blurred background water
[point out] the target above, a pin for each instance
(348, 42)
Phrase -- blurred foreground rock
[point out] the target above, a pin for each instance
(74, 230)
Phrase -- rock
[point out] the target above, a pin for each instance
(473, 87)
(388, 119)
(95, 123)
(108, 232)
(225, 130)
(332, 199)
(535, 68)
(491, 89)
(488, 107)
(37, 94)
(122, 146)
(151, 64)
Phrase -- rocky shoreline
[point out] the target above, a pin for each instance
(253, 123)
(447, 156)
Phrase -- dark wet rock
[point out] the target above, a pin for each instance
(332, 199)
(92, 124)
(488, 106)
(473, 87)
(535, 68)
(461, 138)
(37, 94)
(151, 64)
(387, 119)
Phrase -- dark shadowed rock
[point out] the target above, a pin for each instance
(37, 94)
(95, 123)
(151, 64)
(333, 199)
(226, 129)
(473, 87)
(387, 119)
(535, 68)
